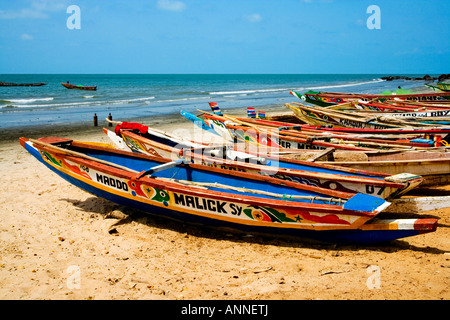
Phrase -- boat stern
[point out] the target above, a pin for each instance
(366, 203)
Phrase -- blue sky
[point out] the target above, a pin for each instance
(225, 36)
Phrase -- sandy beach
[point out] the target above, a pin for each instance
(59, 242)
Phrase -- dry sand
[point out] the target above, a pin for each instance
(54, 234)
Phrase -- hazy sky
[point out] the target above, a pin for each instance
(224, 36)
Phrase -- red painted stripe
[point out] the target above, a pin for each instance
(425, 225)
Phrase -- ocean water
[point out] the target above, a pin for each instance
(129, 97)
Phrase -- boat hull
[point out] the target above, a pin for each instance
(296, 171)
(252, 217)
(332, 98)
(71, 86)
(9, 84)
(433, 171)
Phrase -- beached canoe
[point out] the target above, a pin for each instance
(263, 137)
(433, 164)
(290, 122)
(332, 98)
(80, 87)
(313, 174)
(322, 116)
(241, 201)
(444, 86)
(343, 140)
(441, 116)
(433, 167)
(306, 137)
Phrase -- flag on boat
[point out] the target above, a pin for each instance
(251, 113)
(215, 108)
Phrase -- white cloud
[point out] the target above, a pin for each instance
(254, 18)
(49, 5)
(22, 14)
(26, 36)
(171, 5)
(38, 10)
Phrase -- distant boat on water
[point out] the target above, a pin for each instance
(73, 86)
(10, 84)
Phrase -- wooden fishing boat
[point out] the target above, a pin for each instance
(390, 106)
(434, 88)
(289, 122)
(360, 140)
(287, 135)
(331, 98)
(261, 137)
(431, 163)
(442, 115)
(323, 176)
(80, 87)
(444, 86)
(433, 167)
(381, 132)
(215, 197)
(336, 118)
(10, 84)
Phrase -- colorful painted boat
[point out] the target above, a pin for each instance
(433, 164)
(80, 87)
(322, 116)
(185, 193)
(441, 116)
(434, 88)
(444, 86)
(433, 167)
(332, 98)
(371, 141)
(323, 176)
(262, 137)
(308, 137)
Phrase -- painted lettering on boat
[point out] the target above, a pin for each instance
(292, 145)
(222, 166)
(354, 124)
(359, 125)
(112, 182)
(207, 204)
(439, 113)
(373, 189)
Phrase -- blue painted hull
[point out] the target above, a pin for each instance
(340, 236)
(323, 176)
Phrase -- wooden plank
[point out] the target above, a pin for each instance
(321, 154)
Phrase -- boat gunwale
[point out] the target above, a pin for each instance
(290, 172)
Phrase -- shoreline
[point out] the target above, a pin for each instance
(13, 133)
(8, 135)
